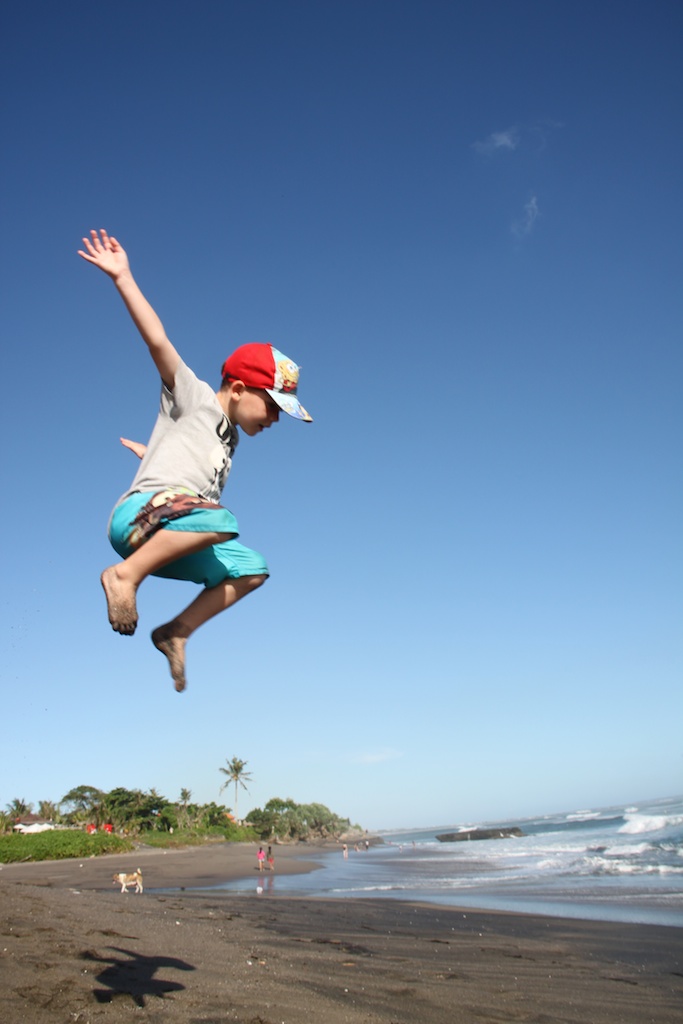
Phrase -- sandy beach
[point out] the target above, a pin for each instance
(74, 949)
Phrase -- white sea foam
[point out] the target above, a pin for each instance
(628, 850)
(637, 823)
(367, 888)
(616, 866)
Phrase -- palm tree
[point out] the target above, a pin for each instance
(184, 815)
(19, 808)
(235, 773)
(48, 810)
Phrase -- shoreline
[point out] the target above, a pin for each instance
(75, 949)
(205, 866)
(212, 866)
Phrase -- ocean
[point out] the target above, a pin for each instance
(620, 863)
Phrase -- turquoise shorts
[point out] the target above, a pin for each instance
(227, 561)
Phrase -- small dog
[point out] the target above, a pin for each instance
(124, 880)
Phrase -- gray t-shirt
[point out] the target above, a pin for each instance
(192, 443)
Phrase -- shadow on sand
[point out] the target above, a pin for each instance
(134, 975)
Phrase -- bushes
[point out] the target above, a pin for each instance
(73, 843)
(60, 844)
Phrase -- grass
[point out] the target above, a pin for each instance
(189, 837)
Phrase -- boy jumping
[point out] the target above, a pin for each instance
(170, 523)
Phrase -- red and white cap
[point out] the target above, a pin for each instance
(260, 365)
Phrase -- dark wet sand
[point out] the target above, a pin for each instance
(74, 949)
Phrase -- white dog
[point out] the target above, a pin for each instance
(125, 880)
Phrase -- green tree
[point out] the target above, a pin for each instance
(235, 773)
(213, 816)
(285, 819)
(321, 821)
(122, 806)
(160, 812)
(84, 803)
(135, 811)
(279, 819)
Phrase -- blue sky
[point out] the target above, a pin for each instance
(465, 222)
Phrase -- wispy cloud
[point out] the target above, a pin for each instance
(497, 142)
(525, 225)
(376, 756)
(540, 131)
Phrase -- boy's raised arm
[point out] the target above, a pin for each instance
(107, 254)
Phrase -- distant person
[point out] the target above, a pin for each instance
(270, 859)
(260, 857)
(345, 851)
(170, 523)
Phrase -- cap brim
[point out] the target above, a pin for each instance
(290, 404)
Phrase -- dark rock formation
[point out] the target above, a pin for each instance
(479, 833)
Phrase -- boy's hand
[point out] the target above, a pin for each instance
(109, 256)
(136, 447)
(105, 253)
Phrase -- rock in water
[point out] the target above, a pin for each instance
(479, 833)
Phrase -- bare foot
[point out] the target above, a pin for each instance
(123, 613)
(170, 640)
